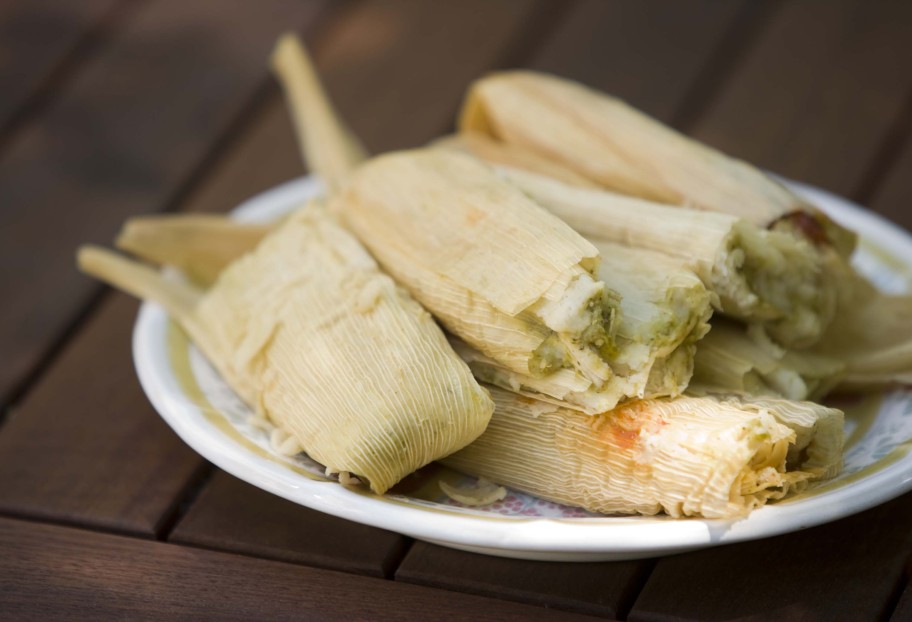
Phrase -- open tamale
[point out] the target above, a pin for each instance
(664, 311)
(312, 335)
(709, 457)
(819, 431)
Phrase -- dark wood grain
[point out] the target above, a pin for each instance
(397, 69)
(50, 572)
(847, 570)
(893, 197)
(649, 53)
(602, 589)
(122, 137)
(261, 154)
(232, 515)
(85, 446)
(903, 610)
(816, 97)
(37, 40)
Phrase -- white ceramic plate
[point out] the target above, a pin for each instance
(205, 413)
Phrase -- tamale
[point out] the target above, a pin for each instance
(664, 311)
(766, 277)
(316, 339)
(494, 267)
(730, 360)
(707, 457)
(620, 148)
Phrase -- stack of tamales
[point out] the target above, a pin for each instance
(551, 127)
(574, 250)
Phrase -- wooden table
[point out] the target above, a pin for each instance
(111, 108)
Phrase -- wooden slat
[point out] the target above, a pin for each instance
(86, 447)
(121, 138)
(232, 515)
(603, 589)
(649, 53)
(847, 570)
(50, 572)
(36, 39)
(816, 97)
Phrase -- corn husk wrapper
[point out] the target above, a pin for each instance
(499, 153)
(496, 269)
(664, 311)
(327, 145)
(872, 335)
(732, 359)
(312, 335)
(622, 149)
(705, 457)
(759, 276)
(201, 245)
